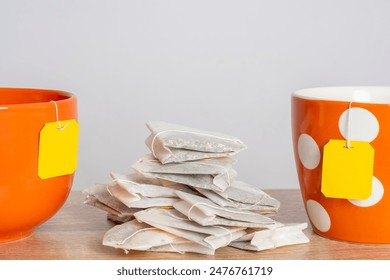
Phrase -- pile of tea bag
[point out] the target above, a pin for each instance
(185, 197)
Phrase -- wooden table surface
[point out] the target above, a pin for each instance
(76, 232)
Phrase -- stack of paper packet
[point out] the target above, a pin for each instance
(185, 197)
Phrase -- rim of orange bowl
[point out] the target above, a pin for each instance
(359, 94)
(67, 96)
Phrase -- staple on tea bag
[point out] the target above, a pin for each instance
(258, 240)
(175, 143)
(216, 174)
(208, 212)
(174, 222)
(245, 193)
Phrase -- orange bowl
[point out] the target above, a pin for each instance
(26, 200)
(321, 114)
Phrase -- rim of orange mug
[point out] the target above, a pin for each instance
(59, 94)
(361, 94)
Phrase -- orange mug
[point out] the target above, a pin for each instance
(344, 113)
(26, 200)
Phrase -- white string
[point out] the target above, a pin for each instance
(191, 132)
(177, 217)
(176, 250)
(108, 190)
(125, 181)
(230, 234)
(214, 207)
(138, 231)
(59, 127)
(349, 125)
(250, 206)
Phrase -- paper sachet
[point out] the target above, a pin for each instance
(175, 143)
(140, 202)
(258, 240)
(183, 246)
(216, 174)
(205, 212)
(127, 183)
(245, 193)
(225, 202)
(99, 197)
(134, 235)
(174, 222)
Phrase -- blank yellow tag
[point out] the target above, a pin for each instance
(58, 149)
(347, 172)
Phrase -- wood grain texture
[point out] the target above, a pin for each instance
(76, 232)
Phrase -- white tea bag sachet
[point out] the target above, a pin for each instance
(205, 212)
(176, 143)
(120, 219)
(134, 235)
(215, 174)
(183, 246)
(141, 202)
(174, 222)
(99, 197)
(127, 183)
(258, 240)
(245, 193)
(224, 202)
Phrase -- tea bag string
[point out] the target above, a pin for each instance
(59, 127)
(125, 181)
(349, 125)
(177, 217)
(176, 250)
(191, 132)
(230, 234)
(250, 206)
(136, 232)
(108, 190)
(214, 207)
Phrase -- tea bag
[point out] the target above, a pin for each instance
(120, 219)
(182, 246)
(173, 222)
(127, 182)
(207, 174)
(205, 212)
(225, 202)
(134, 235)
(245, 193)
(99, 197)
(140, 201)
(175, 143)
(258, 240)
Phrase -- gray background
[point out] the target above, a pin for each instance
(226, 66)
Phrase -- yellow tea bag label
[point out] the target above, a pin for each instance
(347, 172)
(58, 145)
